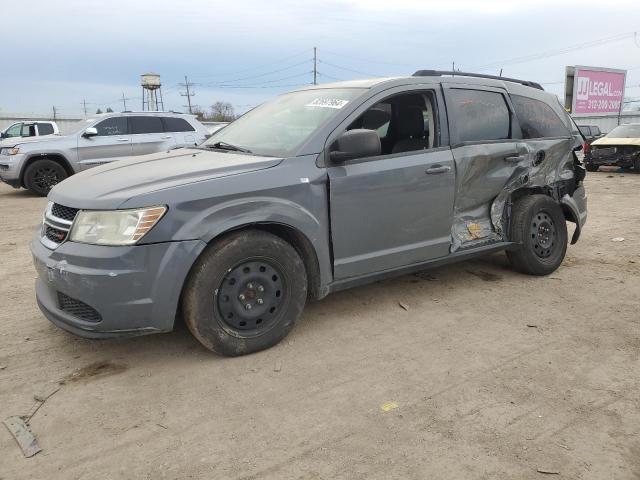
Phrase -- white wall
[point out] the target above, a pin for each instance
(66, 124)
(609, 122)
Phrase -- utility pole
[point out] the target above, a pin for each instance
(124, 102)
(315, 66)
(54, 113)
(453, 68)
(188, 93)
(84, 107)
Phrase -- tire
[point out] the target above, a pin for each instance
(42, 175)
(539, 230)
(591, 167)
(249, 267)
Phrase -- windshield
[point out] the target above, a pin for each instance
(283, 124)
(625, 131)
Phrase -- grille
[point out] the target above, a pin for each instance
(66, 213)
(78, 308)
(54, 234)
(4, 167)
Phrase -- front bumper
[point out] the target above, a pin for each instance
(10, 169)
(100, 292)
(612, 158)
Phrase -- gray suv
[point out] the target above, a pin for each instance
(315, 191)
(39, 163)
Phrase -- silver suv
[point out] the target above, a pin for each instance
(40, 163)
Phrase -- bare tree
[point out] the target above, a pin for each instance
(222, 112)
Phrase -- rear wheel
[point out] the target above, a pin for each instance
(591, 167)
(245, 293)
(539, 229)
(42, 175)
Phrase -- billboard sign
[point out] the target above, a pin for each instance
(594, 90)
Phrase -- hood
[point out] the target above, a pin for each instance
(109, 186)
(616, 141)
(13, 141)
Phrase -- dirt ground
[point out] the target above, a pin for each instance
(491, 375)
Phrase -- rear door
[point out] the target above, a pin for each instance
(487, 154)
(183, 132)
(148, 135)
(112, 143)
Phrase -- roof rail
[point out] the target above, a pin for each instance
(438, 73)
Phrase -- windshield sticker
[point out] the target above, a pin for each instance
(328, 103)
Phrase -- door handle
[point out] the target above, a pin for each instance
(515, 159)
(123, 139)
(437, 169)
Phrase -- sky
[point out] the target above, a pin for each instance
(61, 53)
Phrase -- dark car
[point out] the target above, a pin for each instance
(315, 191)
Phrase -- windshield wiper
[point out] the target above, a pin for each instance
(228, 146)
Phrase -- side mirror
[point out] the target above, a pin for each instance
(357, 143)
(90, 132)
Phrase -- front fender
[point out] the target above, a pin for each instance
(213, 222)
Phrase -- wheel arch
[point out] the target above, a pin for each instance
(56, 157)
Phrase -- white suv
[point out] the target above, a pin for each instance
(30, 129)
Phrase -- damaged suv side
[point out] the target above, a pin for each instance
(314, 191)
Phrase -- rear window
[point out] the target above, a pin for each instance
(596, 131)
(479, 115)
(176, 124)
(45, 129)
(585, 130)
(146, 125)
(538, 120)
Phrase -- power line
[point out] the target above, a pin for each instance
(362, 60)
(257, 67)
(555, 52)
(251, 77)
(359, 72)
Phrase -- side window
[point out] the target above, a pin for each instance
(146, 125)
(537, 119)
(176, 124)
(45, 129)
(404, 122)
(586, 131)
(112, 126)
(28, 130)
(14, 130)
(596, 131)
(479, 115)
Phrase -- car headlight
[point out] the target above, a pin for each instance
(9, 151)
(115, 227)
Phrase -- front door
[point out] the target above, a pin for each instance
(394, 209)
(112, 143)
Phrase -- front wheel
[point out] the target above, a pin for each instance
(245, 293)
(591, 167)
(539, 230)
(42, 175)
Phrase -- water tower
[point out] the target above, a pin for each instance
(151, 93)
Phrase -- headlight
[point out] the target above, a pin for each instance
(10, 151)
(116, 227)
